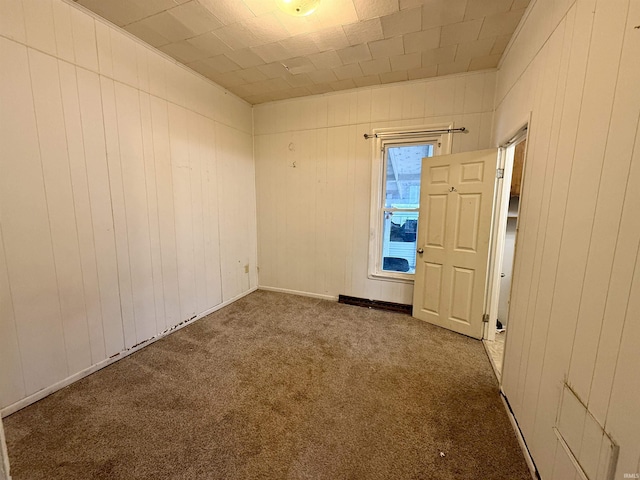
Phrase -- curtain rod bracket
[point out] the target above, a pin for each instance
(417, 133)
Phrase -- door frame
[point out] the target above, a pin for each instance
(4, 455)
(499, 226)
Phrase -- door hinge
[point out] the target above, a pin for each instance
(485, 318)
(500, 173)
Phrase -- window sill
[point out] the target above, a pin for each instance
(392, 277)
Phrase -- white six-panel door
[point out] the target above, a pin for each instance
(456, 203)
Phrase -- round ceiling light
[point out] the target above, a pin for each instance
(298, 8)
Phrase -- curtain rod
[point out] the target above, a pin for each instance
(414, 134)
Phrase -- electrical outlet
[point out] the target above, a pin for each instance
(246, 268)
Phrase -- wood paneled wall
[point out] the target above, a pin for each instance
(575, 301)
(313, 177)
(127, 195)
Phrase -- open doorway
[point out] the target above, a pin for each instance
(504, 248)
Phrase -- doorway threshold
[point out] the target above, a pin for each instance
(495, 352)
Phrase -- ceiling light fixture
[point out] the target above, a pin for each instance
(298, 8)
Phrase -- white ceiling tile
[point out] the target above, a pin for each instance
(195, 17)
(500, 44)
(260, 7)
(424, 40)
(228, 79)
(243, 44)
(300, 45)
(436, 13)
(242, 90)
(252, 75)
(298, 25)
(332, 38)
(462, 32)
(438, 55)
(272, 52)
(319, 89)
(297, 65)
(364, 32)
(228, 11)
(520, 4)
(151, 7)
(202, 67)
(236, 36)
(482, 63)
(357, 53)
(485, 8)
(479, 48)
(222, 64)
(501, 24)
(401, 23)
(266, 29)
(375, 67)
(404, 4)
(299, 80)
(386, 48)
(331, 13)
(183, 52)
(391, 77)
(367, 9)
(254, 88)
(348, 71)
(328, 59)
(454, 67)
(296, 92)
(258, 99)
(276, 84)
(425, 72)
(342, 84)
(322, 76)
(273, 70)
(245, 58)
(167, 26)
(280, 95)
(406, 62)
(209, 43)
(147, 34)
(367, 81)
(120, 12)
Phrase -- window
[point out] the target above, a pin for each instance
(396, 199)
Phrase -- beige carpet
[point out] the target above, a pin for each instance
(279, 387)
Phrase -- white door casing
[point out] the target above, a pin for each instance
(456, 203)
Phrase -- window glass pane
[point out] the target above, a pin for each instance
(399, 241)
(402, 178)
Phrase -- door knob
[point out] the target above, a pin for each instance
(420, 251)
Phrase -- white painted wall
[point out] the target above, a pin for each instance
(127, 194)
(507, 269)
(576, 291)
(313, 220)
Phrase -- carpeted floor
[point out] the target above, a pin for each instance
(279, 387)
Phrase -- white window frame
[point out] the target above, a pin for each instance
(389, 137)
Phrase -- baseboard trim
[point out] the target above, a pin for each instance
(523, 444)
(39, 395)
(298, 292)
(377, 304)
